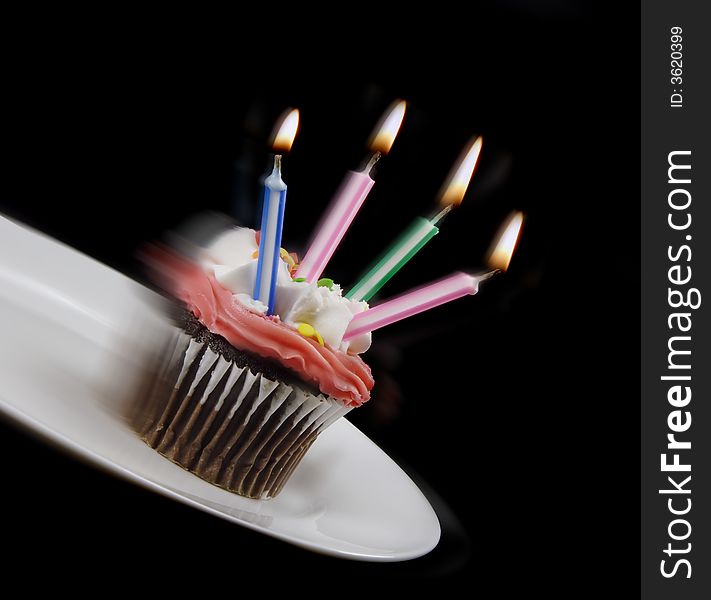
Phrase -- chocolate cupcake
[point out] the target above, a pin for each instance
(239, 396)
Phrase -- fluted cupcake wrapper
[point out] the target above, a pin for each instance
(230, 426)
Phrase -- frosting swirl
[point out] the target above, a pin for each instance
(232, 258)
(207, 291)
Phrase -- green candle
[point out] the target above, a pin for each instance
(420, 232)
(411, 241)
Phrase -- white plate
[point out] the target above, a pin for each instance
(70, 342)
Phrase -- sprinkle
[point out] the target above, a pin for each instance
(286, 257)
(299, 279)
(255, 254)
(308, 331)
(325, 282)
(305, 329)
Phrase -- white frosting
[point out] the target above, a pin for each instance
(232, 258)
(234, 247)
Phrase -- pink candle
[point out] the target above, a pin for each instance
(344, 208)
(453, 287)
(347, 202)
(411, 303)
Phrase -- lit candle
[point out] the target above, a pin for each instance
(421, 230)
(434, 294)
(500, 253)
(348, 200)
(273, 216)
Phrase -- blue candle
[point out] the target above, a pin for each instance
(270, 236)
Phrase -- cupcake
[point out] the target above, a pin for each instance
(240, 396)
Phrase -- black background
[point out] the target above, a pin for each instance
(513, 406)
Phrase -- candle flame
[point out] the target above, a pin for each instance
(387, 129)
(458, 181)
(506, 240)
(286, 131)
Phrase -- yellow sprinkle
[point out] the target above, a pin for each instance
(287, 257)
(318, 337)
(255, 254)
(305, 329)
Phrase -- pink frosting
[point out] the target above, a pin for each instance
(338, 374)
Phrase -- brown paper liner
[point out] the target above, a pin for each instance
(230, 426)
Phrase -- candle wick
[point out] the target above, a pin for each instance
(441, 214)
(277, 163)
(371, 163)
(488, 275)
